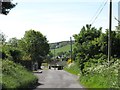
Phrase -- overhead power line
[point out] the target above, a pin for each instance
(117, 19)
(98, 12)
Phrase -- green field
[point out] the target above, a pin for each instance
(65, 48)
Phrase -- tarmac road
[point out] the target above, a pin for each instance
(57, 79)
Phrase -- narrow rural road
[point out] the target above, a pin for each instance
(57, 79)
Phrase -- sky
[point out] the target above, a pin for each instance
(58, 20)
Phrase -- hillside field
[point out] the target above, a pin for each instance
(65, 48)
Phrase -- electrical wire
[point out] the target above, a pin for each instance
(96, 12)
(99, 10)
(117, 19)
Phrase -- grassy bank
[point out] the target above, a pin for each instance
(72, 68)
(105, 79)
(16, 76)
(101, 76)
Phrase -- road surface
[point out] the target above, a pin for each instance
(57, 79)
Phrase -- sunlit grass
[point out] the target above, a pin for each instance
(105, 79)
(74, 69)
(16, 76)
(100, 77)
(65, 48)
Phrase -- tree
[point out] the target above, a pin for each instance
(7, 5)
(35, 45)
(60, 54)
(3, 55)
(2, 38)
(16, 54)
(48, 58)
(13, 42)
(87, 44)
(115, 44)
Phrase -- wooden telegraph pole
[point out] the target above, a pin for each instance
(109, 33)
(71, 47)
(54, 54)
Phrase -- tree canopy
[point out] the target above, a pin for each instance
(2, 38)
(7, 5)
(35, 45)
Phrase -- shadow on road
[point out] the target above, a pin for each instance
(34, 86)
(39, 84)
(37, 72)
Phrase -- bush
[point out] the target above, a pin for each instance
(102, 76)
(105, 79)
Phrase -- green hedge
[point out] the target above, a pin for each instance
(16, 76)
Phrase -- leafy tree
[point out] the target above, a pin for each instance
(16, 54)
(2, 38)
(12, 53)
(49, 57)
(60, 54)
(35, 45)
(7, 5)
(3, 55)
(83, 39)
(87, 44)
(115, 37)
(92, 46)
(13, 42)
(87, 33)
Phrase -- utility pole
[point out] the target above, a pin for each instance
(109, 33)
(0, 6)
(71, 47)
(54, 53)
(118, 13)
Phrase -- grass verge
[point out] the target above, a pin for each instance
(73, 69)
(104, 77)
(16, 76)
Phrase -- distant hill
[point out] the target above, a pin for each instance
(63, 46)
(59, 44)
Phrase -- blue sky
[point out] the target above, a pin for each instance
(58, 20)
